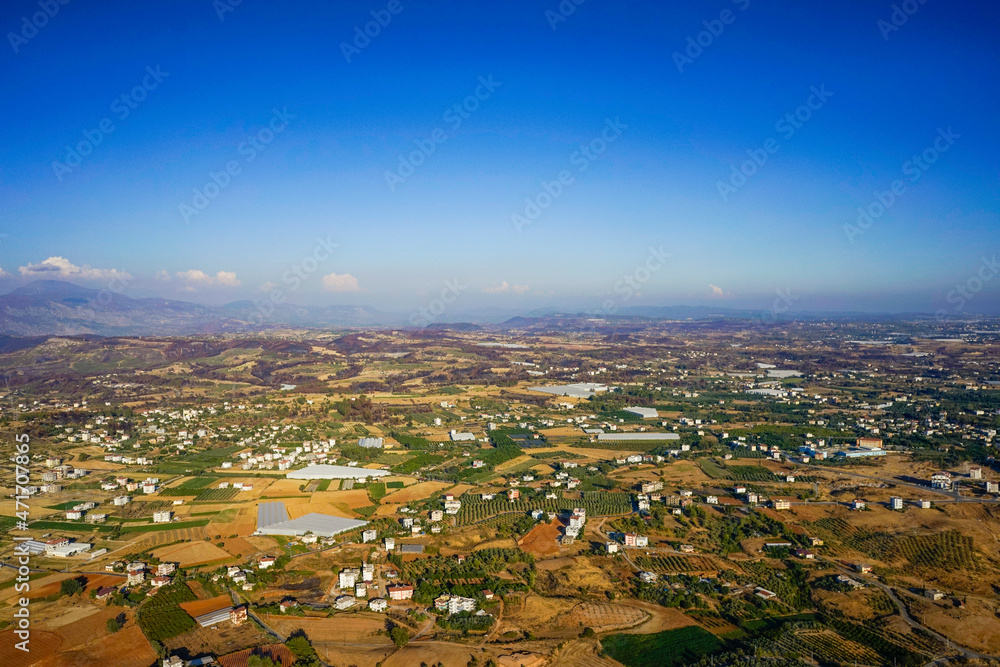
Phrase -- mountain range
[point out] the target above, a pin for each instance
(58, 308)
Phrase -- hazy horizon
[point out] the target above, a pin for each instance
(242, 142)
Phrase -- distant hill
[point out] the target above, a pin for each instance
(454, 326)
(58, 308)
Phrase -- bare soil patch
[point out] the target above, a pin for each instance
(192, 553)
(417, 491)
(542, 539)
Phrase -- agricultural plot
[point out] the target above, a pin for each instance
(216, 495)
(417, 491)
(62, 507)
(715, 624)
(739, 473)
(198, 482)
(603, 617)
(880, 644)
(671, 564)
(663, 649)
(125, 648)
(156, 527)
(948, 550)
(419, 461)
(831, 646)
(192, 553)
(43, 645)
(71, 527)
(161, 616)
(474, 509)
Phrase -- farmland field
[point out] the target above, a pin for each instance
(417, 491)
(216, 495)
(474, 509)
(161, 616)
(154, 527)
(671, 563)
(192, 553)
(663, 649)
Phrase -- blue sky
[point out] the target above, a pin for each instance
(344, 125)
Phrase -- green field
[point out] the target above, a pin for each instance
(161, 618)
(74, 527)
(225, 516)
(376, 491)
(323, 485)
(215, 495)
(416, 463)
(198, 482)
(154, 527)
(664, 649)
(68, 505)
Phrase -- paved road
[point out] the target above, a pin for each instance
(966, 653)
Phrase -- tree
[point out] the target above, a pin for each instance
(399, 636)
(587, 633)
(70, 587)
(305, 654)
(262, 661)
(114, 625)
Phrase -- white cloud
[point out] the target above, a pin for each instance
(497, 289)
(227, 278)
(162, 275)
(505, 287)
(716, 291)
(60, 267)
(340, 282)
(267, 287)
(197, 277)
(3, 274)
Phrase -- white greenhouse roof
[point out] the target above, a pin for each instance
(325, 471)
(638, 436)
(272, 519)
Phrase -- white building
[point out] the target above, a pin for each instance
(458, 604)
